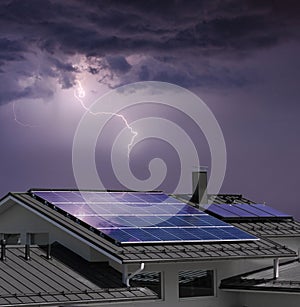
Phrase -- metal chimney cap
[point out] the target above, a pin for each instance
(201, 168)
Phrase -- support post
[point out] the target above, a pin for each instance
(124, 273)
(3, 250)
(27, 246)
(49, 251)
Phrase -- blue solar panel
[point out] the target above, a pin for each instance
(113, 208)
(135, 217)
(222, 233)
(220, 210)
(238, 211)
(272, 211)
(177, 234)
(253, 210)
(120, 235)
(99, 221)
(50, 196)
(189, 210)
(118, 197)
(125, 197)
(245, 211)
(214, 222)
(238, 233)
(60, 196)
(203, 233)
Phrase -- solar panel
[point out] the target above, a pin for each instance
(271, 211)
(140, 217)
(240, 211)
(118, 197)
(245, 211)
(220, 210)
(253, 210)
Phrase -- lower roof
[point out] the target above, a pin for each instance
(271, 229)
(65, 279)
(159, 252)
(263, 280)
(206, 251)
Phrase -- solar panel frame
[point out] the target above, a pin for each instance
(245, 211)
(271, 210)
(179, 234)
(164, 219)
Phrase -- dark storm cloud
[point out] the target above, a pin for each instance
(110, 31)
(27, 92)
(10, 50)
(118, 63)
(158, 69)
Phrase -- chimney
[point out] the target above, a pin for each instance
(199, 187)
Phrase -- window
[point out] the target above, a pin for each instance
(38, 238)
(151, 280)
(11, 238)
(196, 283)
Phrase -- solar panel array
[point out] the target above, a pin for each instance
(245, 211)
(136, 217)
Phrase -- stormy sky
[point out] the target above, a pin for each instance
(240, 57)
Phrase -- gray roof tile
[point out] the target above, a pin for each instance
(271, 229)
(40, 281)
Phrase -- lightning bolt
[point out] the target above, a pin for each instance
(36, 77)
(79, 94)
(17, 120)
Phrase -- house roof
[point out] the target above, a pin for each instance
(262, 227)
(66, 278)
(263, 280)
(158, 252)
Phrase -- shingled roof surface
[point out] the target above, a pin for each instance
(263, 280)
(160, 252)
(271, 229)
(66, 278)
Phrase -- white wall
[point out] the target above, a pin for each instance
(223, 269)
(272, 299)
(18, 219)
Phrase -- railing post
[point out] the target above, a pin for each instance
(27, 246)
(3, 250)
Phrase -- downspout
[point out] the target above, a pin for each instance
(276, 268)
(139, 270)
